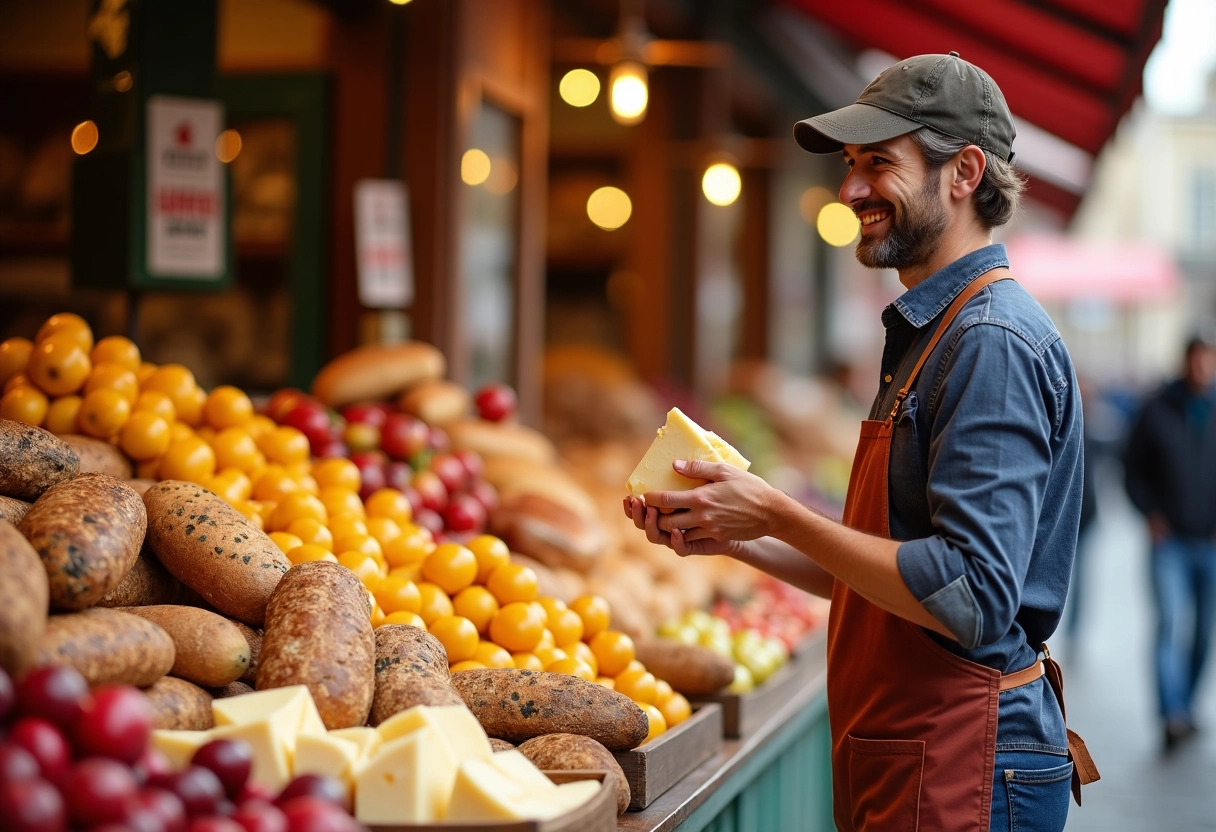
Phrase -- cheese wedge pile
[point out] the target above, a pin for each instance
(423, 765)
(679, 438)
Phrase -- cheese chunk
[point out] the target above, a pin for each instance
(456, 723)
(727, 451)
(408, 780)
(327, 754)
(679, 438)
(179, 746)
(523, 771)
(252, 707)
(575, 793)
(366, 738)
(483, 792)
(273, 741)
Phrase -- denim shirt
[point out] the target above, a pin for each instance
(985, 476)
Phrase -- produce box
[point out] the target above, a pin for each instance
(596, 815)
(744, 713)
(655, 767)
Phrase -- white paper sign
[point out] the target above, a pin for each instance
(386, 277)
(187, 225)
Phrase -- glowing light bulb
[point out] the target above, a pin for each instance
(84, 137)
(609, 207)
(228, 146)
(579, 87)
(837, 224)
(474, 166)
(721, 183)
(628, 92)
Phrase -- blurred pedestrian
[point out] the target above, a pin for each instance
(1170, 474)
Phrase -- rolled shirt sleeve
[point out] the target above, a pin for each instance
(990, 416)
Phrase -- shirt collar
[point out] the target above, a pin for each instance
(924, 301)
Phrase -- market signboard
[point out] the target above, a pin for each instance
(187, 209)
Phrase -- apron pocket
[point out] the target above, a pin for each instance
(884, 783)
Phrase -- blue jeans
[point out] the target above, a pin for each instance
(1184, 589)
(1030, 792)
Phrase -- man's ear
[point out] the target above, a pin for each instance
(966, 171)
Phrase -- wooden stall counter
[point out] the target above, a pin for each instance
(775, 775)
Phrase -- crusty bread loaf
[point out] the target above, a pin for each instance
(436, 401)
(501, 439)
(98, 456)
(513, 475)
(377, 372)
(549, 532)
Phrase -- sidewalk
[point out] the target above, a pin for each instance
(1109, 691)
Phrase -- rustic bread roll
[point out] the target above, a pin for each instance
(548, 532)
(34, 460)
(436, 401)
(24, 594)
(377, 372)
(12, 509)
(575, 752)
(98, 456)
(499, 439)
(512, 475)
(146, 582)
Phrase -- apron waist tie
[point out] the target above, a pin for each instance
(1022, 677)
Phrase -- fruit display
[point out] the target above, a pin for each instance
(198, 548)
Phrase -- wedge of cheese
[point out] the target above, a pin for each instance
(679, 438)
(408, 780)
(179, 746)
(326, 754)
(271, 721)
(455, 723)
(363, 736)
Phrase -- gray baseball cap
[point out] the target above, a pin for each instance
(940, 91)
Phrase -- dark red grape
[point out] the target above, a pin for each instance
(17, 763)
(214, 823)
(32, 806)
(162, 803)
(45, 742)
(316, 814)
(260, 816)
(96, 790)
(116, 722)
(316, 785)
(230, 759)
(151, 764)
(199, 789)
(255, 791)
(56, 693)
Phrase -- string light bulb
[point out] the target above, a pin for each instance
(721, 183)
(628, 92)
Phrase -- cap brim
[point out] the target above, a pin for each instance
(854, 124)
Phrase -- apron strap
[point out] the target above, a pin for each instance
(971, 290)
(1084, 770)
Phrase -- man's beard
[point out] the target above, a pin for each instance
(913, 235)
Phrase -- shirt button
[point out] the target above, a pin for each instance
(887, 378)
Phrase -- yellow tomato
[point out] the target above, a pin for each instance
(103, 413)
(61, 415)
(595, 613)
(491, 655)
(413, 619)
(156, 402)
(24, 404)
(69, 326)
(286, 542)
(457, 635)
(189, 459)
(59, 366)
(451, 566)
(337, 472)
(549, 655)
(312, 530)
(411, 547)
(14, 357)
(227, 407)
(113, 377)
(433, 601)
(274, 483)
(512, 582)
(467, 664)
(491, 553)
(177, 382)
(363, 565)
(383, 529)
(662, 692)
(517, 627)
(613, 651)
(284, 445)
(572, 667)
(675, 710)
(235, 448)
(527, 661)
(390, 503)
(295, 506)
(394, 593)
(308, 552)
(658, 725)
(117, 349)
(477, 604)
(638, 685)
(342, 501)
(145, 435)
(566, 626)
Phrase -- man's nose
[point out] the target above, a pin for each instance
(853, 189)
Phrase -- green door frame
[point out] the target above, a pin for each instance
(304, 99)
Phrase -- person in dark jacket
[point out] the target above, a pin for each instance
(1170, 475)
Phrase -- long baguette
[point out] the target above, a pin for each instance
(377, 372)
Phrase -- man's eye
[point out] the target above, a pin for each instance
(878, 160)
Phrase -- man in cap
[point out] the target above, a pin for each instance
(952, 563)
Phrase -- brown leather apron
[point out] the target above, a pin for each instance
(913, 725)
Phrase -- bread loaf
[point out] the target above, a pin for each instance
(377, 372)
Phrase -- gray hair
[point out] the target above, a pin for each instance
(999, 192)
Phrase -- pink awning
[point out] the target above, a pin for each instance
(1061, 268)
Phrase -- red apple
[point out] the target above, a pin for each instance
(361, 436)
(364, 413)
(412, 496)
(431, 489)
(429, 520)
(371, 465)
(310, 419)
(472, 462)
(117, 722)
(282, 401)
(403, 436)
(438, 440)
(485, 494)
(464, 513)
(398, 474)
(495, 402)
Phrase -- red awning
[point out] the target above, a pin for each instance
(1058, 268)
(1070, 67)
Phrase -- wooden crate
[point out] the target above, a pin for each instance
(596, 815)
(743, 713)
(655, 767)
